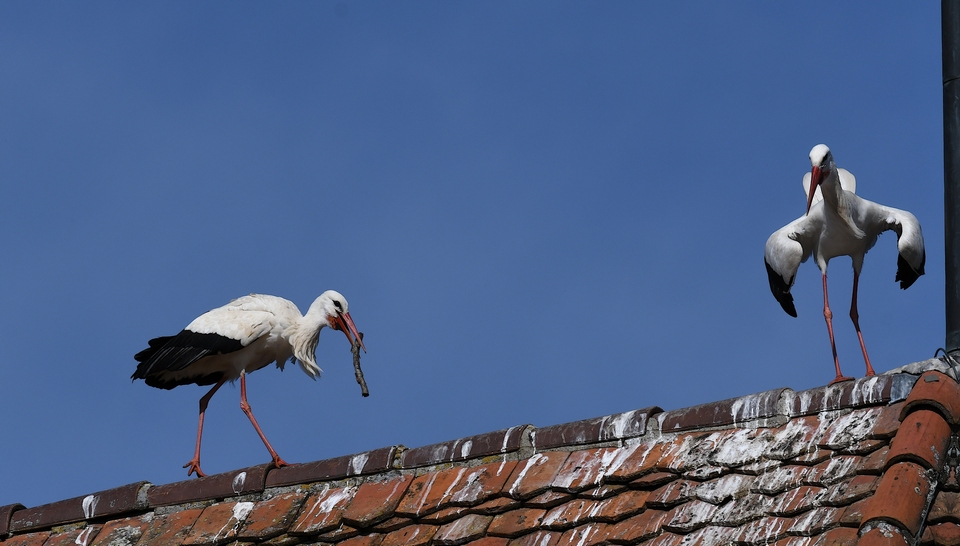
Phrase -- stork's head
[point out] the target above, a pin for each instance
(821, 161)
(334, 307)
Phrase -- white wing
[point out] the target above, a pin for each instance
(786, 249)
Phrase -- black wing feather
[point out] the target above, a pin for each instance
(176, 353)
(781, 290)
(906, 275)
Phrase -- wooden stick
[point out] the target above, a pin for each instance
(355, 349)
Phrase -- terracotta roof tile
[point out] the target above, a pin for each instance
(812, 468)
(122, 531)
(112, 502)
(945, 508)
(848, 492)
(654, 480)
(412, 535)
(169, 528)
(764, 530)
(368, 540)
(217, 486)
(6, 512)
(875, 462)
(725, 487)
(469, 527)
(516, 522)
(33, 539)
(619, 426)
(495, 506)
(739, 511)
(548, 499)
(342, 532)
(922, 439)
(218, 523)
(602, 492)
(322, 511)
(868, 391)
(479, 483)
(488, 541)
(725, 412)
(795, 501)
(883, 536)
(462, 449)
(673, 493)
(570, 514)
(642, 526)
(375, 501)
(540, 538)
(622, 506)
(935, 391)
(360, 464)
(811, 458)
(689, 516)
(587, 535)
(273, 516)
(73, 537)
(900, 498)
(945, 534)
(535, 475)
(853, 514)
(444, 515)
(634, 461)
(706, 472)
(391, 524)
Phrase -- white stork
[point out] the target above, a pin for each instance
(229, 342)
(839, 224)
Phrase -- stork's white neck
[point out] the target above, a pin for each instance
(304, 336)
(839, 202)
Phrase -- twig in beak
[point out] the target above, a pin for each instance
(355, 349)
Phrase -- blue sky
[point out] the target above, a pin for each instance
(538, 212)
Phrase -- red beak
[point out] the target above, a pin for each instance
(815, 176)
(344, 323)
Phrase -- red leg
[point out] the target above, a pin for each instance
(855, 316)
(277, 461)
(828, 315)
(194, 464)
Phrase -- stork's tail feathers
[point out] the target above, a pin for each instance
(156, 344)
(906, 274)
(781, 290)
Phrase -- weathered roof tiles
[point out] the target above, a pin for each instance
(871, 461)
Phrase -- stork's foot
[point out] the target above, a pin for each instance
(279, 463)
(840, 379)
(194, 466)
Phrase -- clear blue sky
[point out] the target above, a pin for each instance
(538, 212)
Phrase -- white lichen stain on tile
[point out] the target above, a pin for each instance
(723, 488)
(615, 427)
(465, 449)
(536, 460)
(741, 447)
(453, 484)
(240, 512)
(84, 537)
(89, 505)
(238, 482)
(357, 462)
(329, 500)
(470, 492)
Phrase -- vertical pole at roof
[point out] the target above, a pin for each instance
(950, 32)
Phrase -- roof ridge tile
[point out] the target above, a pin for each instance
(617, 426)
(110, 502)
(497, 442)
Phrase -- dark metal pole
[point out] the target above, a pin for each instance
(950, 32)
